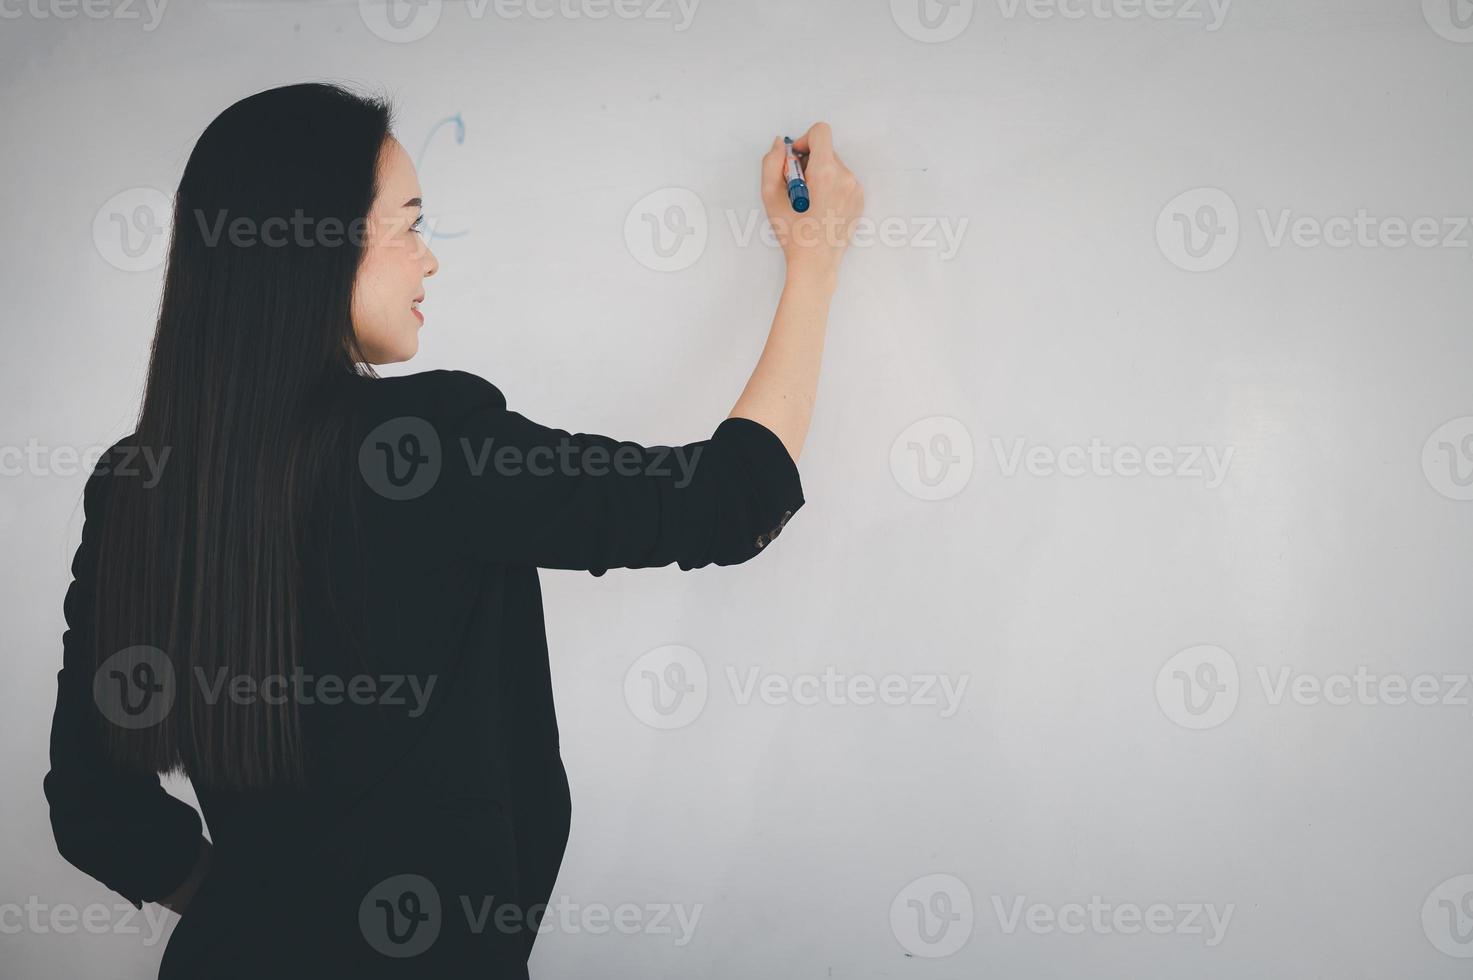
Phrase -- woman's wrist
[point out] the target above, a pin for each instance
(811, 274)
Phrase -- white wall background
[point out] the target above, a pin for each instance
(1337, 540)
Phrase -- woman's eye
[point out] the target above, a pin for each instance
(418, 226)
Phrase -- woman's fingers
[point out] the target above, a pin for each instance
(774, 182)
(818, 141)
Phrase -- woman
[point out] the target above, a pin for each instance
(325, 608)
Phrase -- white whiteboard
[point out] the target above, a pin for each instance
(1107, 244)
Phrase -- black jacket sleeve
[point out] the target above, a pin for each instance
(122, 828)
(527, 493)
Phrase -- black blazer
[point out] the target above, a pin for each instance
(437, 813)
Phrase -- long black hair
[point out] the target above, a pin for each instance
(254, 336)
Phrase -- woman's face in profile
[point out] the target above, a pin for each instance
(396, 260)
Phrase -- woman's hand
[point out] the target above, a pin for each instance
(179, 900)
(814, 241)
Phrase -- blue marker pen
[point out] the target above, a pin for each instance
(797, 189)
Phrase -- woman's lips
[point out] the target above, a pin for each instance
(418, 315)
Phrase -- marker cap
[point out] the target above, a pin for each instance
(798, 195)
